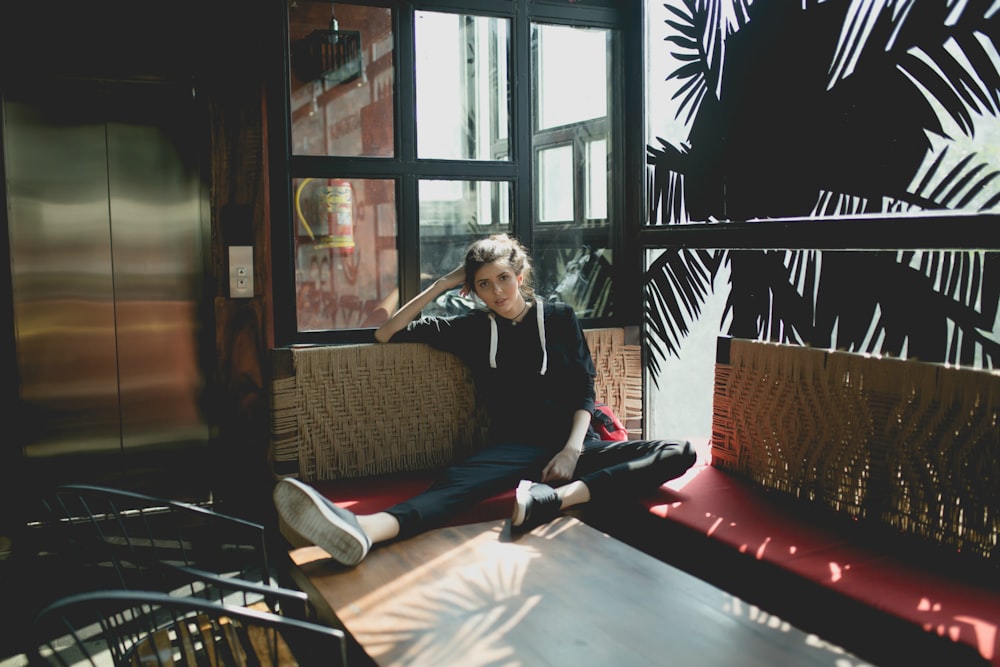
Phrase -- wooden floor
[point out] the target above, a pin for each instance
(564, 594)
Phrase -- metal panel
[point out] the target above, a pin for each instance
(156, 236)
(107, 236)
(61, 272)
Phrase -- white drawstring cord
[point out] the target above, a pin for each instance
(493, 341)
(494, 336)
(541, 337)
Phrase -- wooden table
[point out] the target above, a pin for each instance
(563, 594)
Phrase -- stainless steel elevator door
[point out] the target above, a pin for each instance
(107, 232)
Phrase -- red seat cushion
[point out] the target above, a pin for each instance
(733, 512)
(726, 508)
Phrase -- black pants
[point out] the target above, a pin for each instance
(610, 469)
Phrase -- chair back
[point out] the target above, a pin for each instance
(128, 540)
(153, 628)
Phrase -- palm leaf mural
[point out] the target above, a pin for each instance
(678, 285)
(816, 109)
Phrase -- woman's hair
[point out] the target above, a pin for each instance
(498, 248)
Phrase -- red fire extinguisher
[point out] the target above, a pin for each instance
(340, 215)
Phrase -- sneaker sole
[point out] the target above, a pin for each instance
(311, 519)
(522, 498)
(294, 539)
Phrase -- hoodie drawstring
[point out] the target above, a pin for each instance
(493, 341)
(541, 337)
(494, 337)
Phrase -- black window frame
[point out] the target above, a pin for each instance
(625, 190)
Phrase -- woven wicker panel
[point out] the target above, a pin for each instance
(360, 410)
(910, 444)
(619, 375)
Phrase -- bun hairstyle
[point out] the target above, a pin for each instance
(498, 248)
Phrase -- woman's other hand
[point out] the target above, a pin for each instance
(562, 465)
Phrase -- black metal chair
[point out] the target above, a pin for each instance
(103, 537)
(154, 628)
(128, 571)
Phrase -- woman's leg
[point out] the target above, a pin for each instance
(628, 468)
(486, 473)
(606, 469)
(306, 516)
(380, 527)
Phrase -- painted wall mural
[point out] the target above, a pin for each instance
(765, 109)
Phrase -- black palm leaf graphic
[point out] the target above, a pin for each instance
(677, 285)
(815, 110)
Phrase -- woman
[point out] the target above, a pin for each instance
(534, 373)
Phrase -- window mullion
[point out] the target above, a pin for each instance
(522, 126)
(408, 232)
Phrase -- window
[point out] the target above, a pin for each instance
(413, 132)
(833, 193)
(461, 82)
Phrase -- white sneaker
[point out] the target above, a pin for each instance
(534, 504)
(313, 518)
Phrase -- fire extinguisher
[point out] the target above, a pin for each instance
(339, 198)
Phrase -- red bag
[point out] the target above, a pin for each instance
(606, 424)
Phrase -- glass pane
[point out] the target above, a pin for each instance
(453, 214)
(555, 184)
(461, 81)
(500, 87)
(341, 79)
(597, 180)
(886, 136)
(570, 65)
(817, 298)
(574, 158)
(346, 265)
(575, 266)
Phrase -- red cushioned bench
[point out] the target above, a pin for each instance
(356, 420)
(815, 500)
(839, 534)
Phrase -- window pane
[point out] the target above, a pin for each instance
(569, 268)
(571, 63)
(574, 159)
(346, 266)
(597, 180)
(341, 79)
(501, 99)
(453, 214)
(461, 81)
(555, 184)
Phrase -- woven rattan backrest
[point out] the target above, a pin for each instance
(361, 410)
(910, 444)
(619, 375)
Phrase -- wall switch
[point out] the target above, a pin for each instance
(240, 271)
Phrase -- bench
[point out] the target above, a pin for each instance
(363, 425)
(856, 496)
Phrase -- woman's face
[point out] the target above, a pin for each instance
(499, 288)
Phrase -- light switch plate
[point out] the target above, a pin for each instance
(240, 271)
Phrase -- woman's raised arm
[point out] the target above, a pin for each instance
(411, 309)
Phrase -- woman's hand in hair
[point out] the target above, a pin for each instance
(402, 317)
(455, 279)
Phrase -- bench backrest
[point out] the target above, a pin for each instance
(908, 444)
(340, 411)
